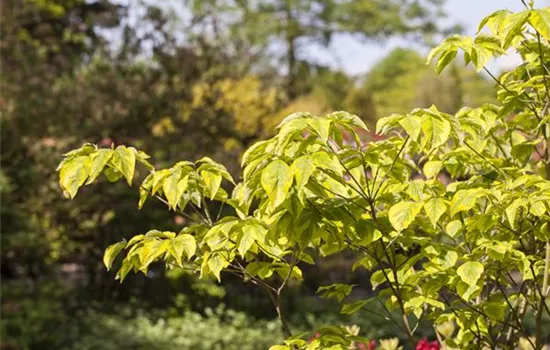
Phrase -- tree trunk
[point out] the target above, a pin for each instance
(291, 53)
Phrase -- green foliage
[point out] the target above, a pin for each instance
(299, 21)
(43, 322)
(216, 329)
(450, 212)
(402, 81)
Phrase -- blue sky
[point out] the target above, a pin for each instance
(356, 58)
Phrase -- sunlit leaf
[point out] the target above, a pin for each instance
(462, 200)
(213, 182)
(402, 214)
(540, 20)
(303, 168)
(111, 253)
(436, 131)
(174, 186)
(276, 180)
(74, 173)
(470, 272)
(183, 243)
(124, 160)
(99, 159)
(434, 208)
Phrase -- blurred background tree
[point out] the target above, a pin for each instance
(190, 78)
(402, 81)
(261, 26)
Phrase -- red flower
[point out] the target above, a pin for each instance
(371, 345)
(317, 335)
(425, 345)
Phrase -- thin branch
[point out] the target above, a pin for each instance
(499, 145)
(168, 204)
(341, 196)
(541, 60)
(478, 311)
(396, 291)
(485, 159)
(207, 212)
(362, 193)
(512, 310)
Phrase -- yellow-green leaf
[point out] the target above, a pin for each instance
(303, 169)
(445, 59)
(342, 117)
(74, 173)
(412, 125)
(99, 160)
(280, 347)
(494, 21)
(174, 186)
(512, 209)
(216, 263)
(436, 131)
(453, 228)
(401, 215)
(213, 182)
(111, 253)
(513, 25)
(144, 190)
(432, 168)
(463, 200)
(127, 265)
(276, 180)
(470, 272)
(540, 20)
(434, 208)
(184, 243)
(321, 126)
(250, 233)
(150, 251)
(537, 208)
(158, 178)
(124, 160)
(134, 240)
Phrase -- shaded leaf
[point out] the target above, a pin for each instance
(352, 308)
